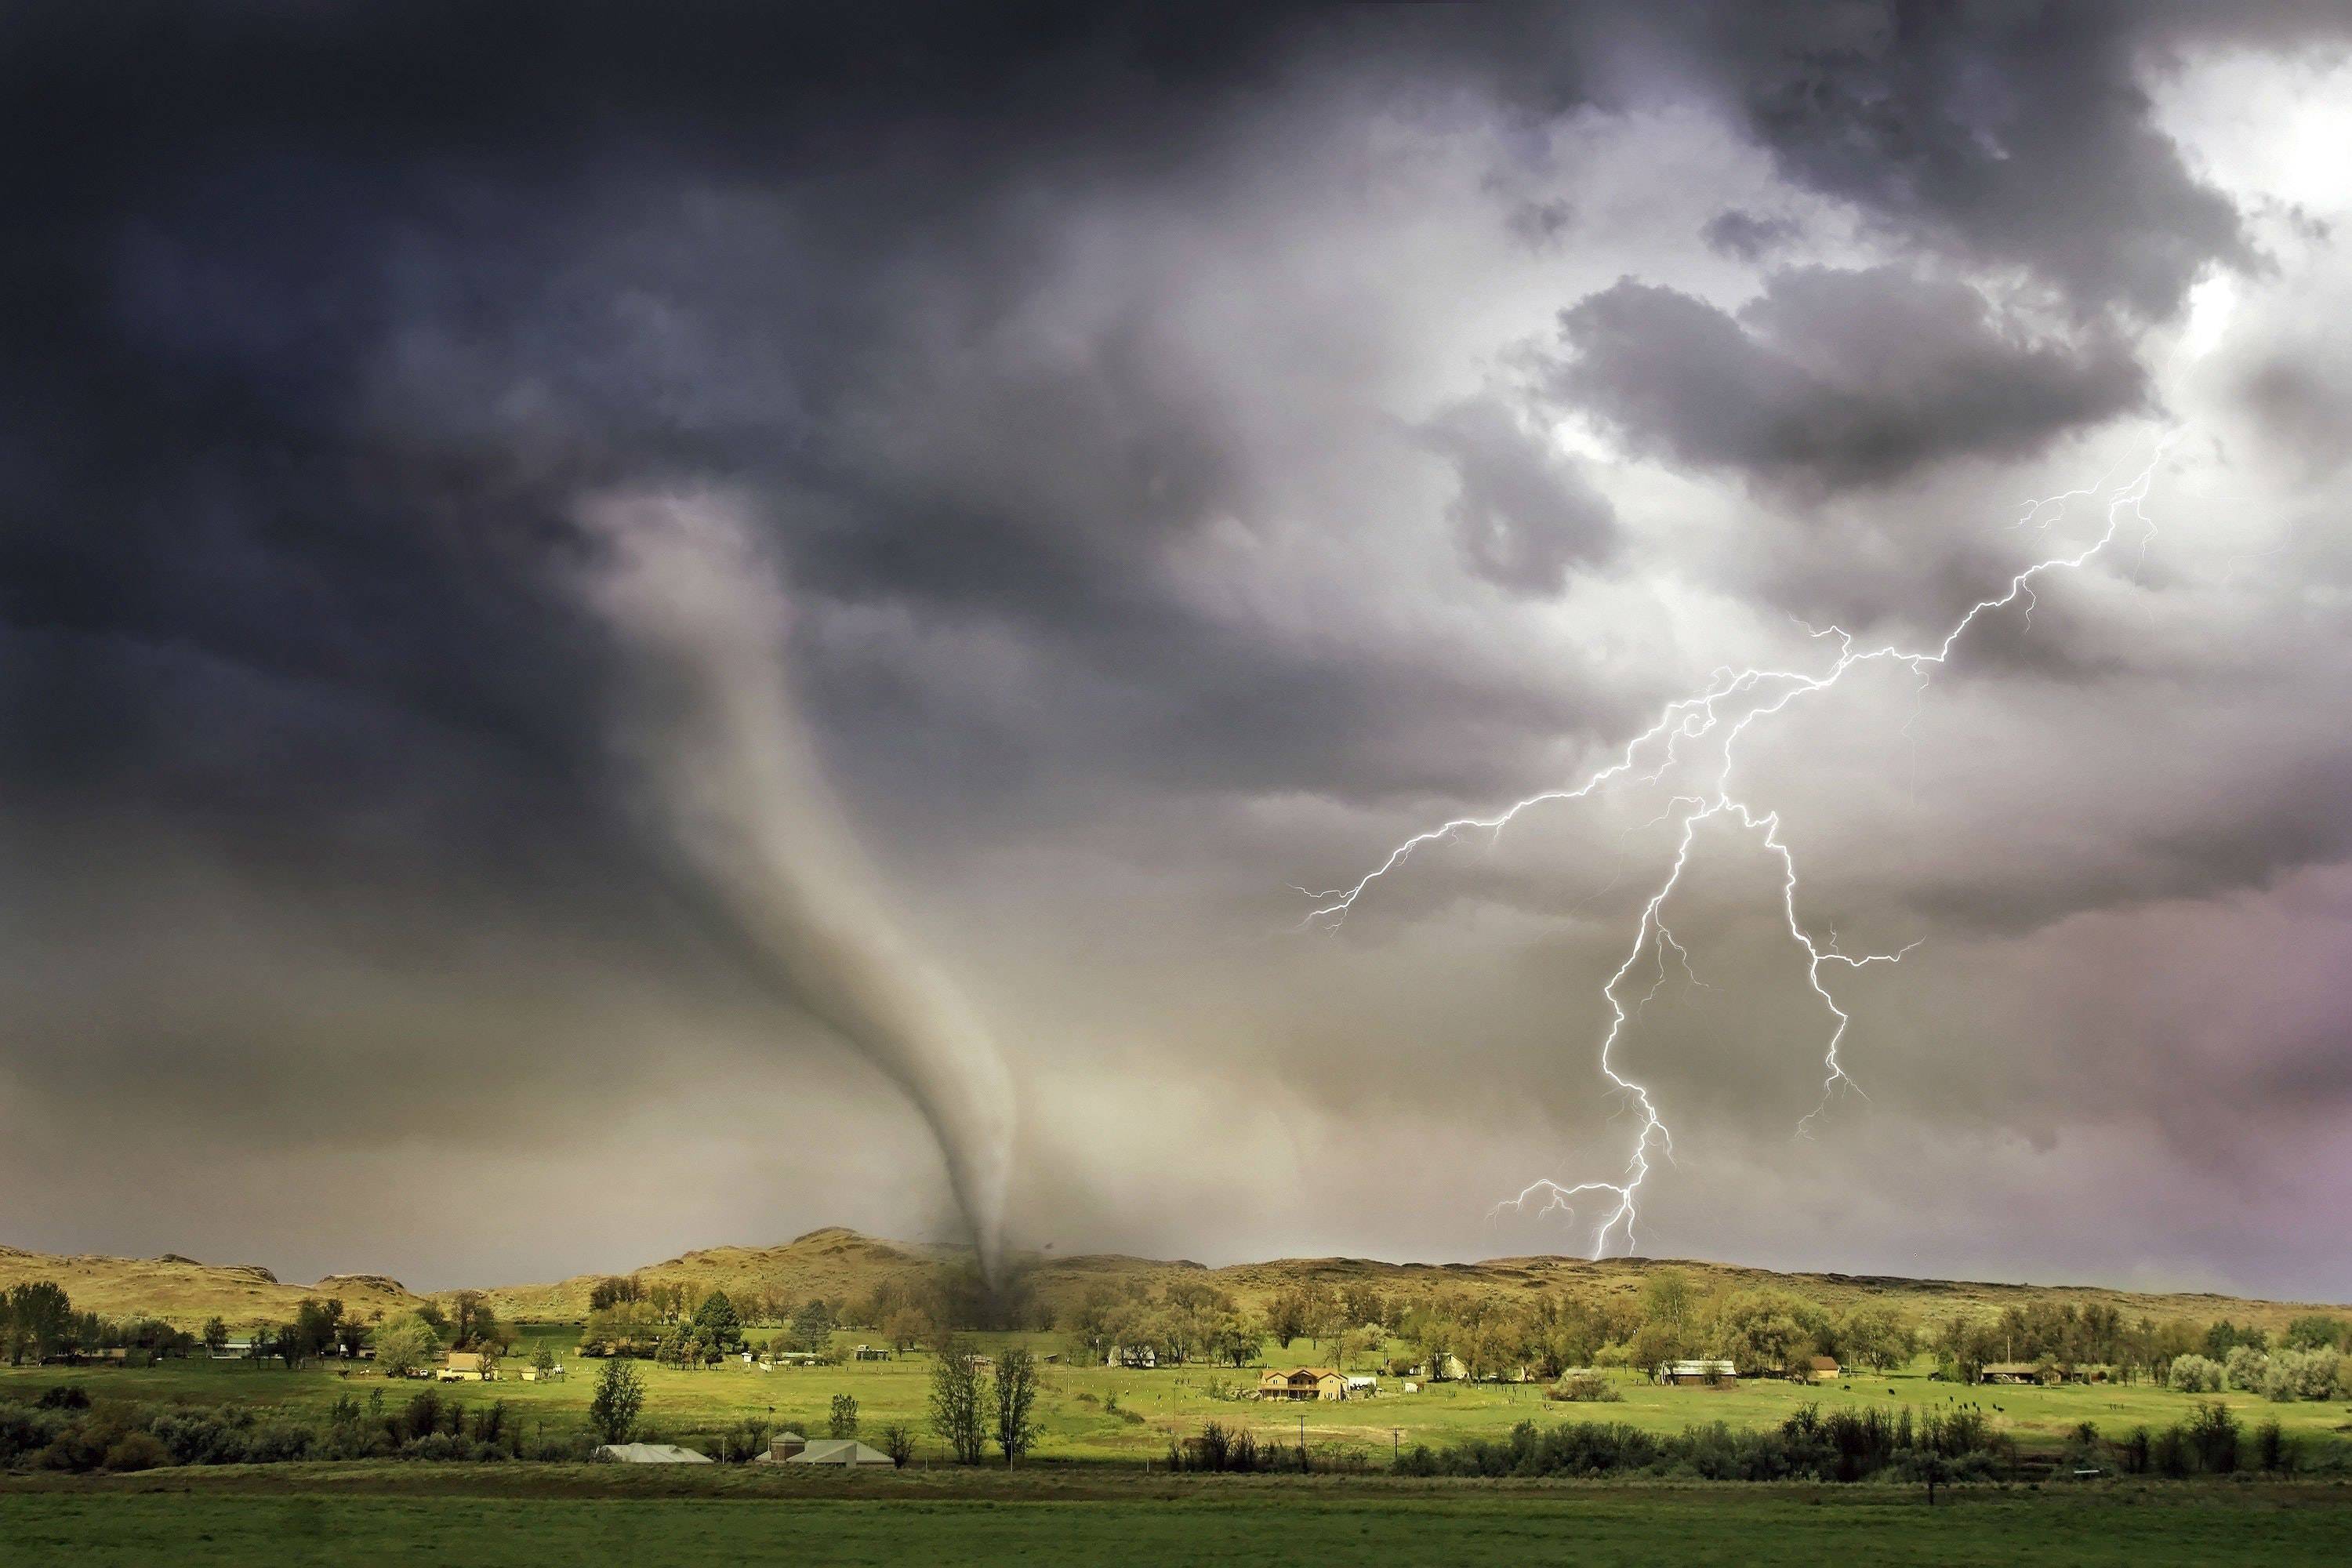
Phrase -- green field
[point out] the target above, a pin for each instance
(307, 1515)
(1104, 1414)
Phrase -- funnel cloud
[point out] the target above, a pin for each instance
(729, 773)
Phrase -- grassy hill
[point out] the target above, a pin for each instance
(841, 1264)
(185, 1292)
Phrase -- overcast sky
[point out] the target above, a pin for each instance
(1172, 456)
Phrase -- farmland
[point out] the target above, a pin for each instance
(1112, 1414)
(312, 1515)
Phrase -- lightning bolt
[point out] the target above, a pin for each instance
(1732, 703)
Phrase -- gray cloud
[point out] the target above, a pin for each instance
(1523, 512)
(1833, 380)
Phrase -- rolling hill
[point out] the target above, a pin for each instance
(841, 1264)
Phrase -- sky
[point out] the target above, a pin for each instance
(632, 628)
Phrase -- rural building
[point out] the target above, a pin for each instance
(233, 1350)
(871, 1352)
(2009, 1371)
(781, 1446)
(845, 1452)
(469, 1366)
(1135, 1358)
(552, 1374)
(1819, 1368)
(1303, 1383)
(651, 1454)
(1363, 1387)
(1697, 1375)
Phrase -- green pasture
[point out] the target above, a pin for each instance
(1094, 1413)
(314, 1516)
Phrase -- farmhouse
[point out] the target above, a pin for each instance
(1697, 1375)
(2009, 1371)
(469, 1366)
(1818, 1369)
(1302, 1382)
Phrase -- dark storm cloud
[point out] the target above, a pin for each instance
(1523, 512)
(1744, 235)
(2010, 132)
(1834, 379)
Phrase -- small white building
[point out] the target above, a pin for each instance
(651, 1454)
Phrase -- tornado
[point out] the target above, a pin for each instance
(711, 731)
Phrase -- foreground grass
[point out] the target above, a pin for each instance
(300, 1516)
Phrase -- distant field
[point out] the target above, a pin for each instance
(1080, 1422)
(370, 1514)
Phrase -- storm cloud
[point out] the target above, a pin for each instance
(1205, 448)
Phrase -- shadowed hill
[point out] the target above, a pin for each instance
(843, 1264)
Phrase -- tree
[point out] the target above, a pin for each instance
(955, 1402)
(843, 1421)
(1875, 1336)
(473, 1325)
(812, 1328)
(215, 1336)
(406, 1345)
(613, 1412)
(1669, 1300)
(312, 1331)
(905, 1329)
(2318, 1331)
(1764, 1331)
(898, 1443)
(38, 1320)
(1017, 1401)
(1286, 1316)
(718, 1322)
(542, 1359)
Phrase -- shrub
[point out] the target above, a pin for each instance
(2194, 1375)
(1584, 1387)
(2302, 1374)
(2273, 1451)
(2213, 1432)
(2246, 1369)
(2169, 1454)
(898, 1442)
(136, 1451)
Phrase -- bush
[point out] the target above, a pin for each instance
(898, 1442)
(2302, 1374)
(2213, 1432)
(137, 1451)
(65, 1397)
(2194, 1375)
(2246, 1369)
(2273, 1451)
(1584, 1387)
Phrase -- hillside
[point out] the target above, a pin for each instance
(843, 1264)
(185, 1292)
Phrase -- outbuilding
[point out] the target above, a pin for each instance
(651, 1454)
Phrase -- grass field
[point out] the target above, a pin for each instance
(1104, 1414)
(303, 1516)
